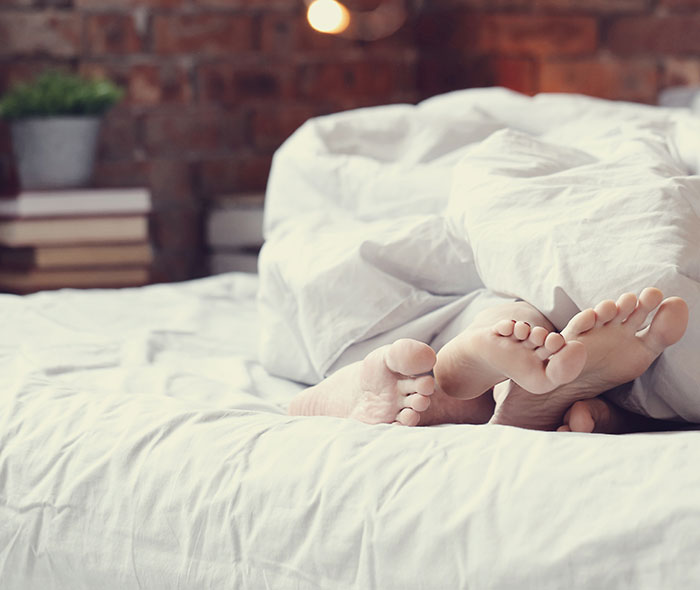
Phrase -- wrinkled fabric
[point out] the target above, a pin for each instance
(392, 221)
(143, 446)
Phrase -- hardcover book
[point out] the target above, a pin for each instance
(95, 230)
(46, 257)
(78, 202)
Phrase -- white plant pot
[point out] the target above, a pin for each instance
(55, 152)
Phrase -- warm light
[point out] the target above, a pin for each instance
(328, 16)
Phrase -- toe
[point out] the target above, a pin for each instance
(537, 337)
(567, 364)
(424, 385)
(417, 402)
(409, 357)
(521, 330)
(408, 417)
(649, 299)
(582, 322)
(504, 327)
(668, 326)
(554, 342)
(625, 306)
(580, 418)
(605, 311)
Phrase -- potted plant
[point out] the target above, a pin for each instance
(54, 125)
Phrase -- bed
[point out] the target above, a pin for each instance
(144, 439)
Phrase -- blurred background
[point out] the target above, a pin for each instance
(213, 87)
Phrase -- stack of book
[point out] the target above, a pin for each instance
(235, 233)
(85, 238)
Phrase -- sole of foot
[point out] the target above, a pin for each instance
(391, 385)
(535, 358)
(620, 344)
(394, 384)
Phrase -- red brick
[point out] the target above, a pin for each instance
(145, 83)
(635, 80)
(125, 4)
(256, 4)
(272, 125)
(481, 4)
(193, 132)
(681, 5)
(289, 31)
(597, 6)
(152, 84)
(207, 34)
(280, 32)
(112, 34)
(448, 29)
(517, 74)
(234, 174)
(357, 79)
(41, 33)
(310, 40)
(227, 83)
(437, 74)
(539, 35)
(649, 35)
(116, 72)
(362, 5)
(16, 71)
(120, 173)
(118, 137)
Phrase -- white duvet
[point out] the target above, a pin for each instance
(405, 220)
(142, 446)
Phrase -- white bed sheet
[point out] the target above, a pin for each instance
(143, 446)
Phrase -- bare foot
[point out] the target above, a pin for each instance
(600, 415)
(389, 386)
(619, 350)
(480, 357)
(445, 409)
(596, 415)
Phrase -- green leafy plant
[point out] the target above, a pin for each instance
(54, 94)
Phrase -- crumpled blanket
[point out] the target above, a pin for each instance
(404, 221)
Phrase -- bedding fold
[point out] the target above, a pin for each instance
(380, 221)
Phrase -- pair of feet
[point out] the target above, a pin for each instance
(540, 379)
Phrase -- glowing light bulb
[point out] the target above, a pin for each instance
(328, 16)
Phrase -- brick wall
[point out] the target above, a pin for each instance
(214, 86)
(618, 49)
